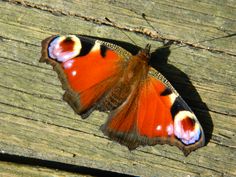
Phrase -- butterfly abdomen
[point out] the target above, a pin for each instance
(136, 71)
(115, 97)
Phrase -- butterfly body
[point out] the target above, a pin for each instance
(143, 107)
(134, 72)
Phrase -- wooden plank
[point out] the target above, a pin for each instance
(206, 20)
(9, 169)
(36, 123)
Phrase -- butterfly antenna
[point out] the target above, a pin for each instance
(157, 31)
(166, 45)
(182, 43)
(107, 19)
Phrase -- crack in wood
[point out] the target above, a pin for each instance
(52, 124)
(194, 165)
(3, 38)
(76, 169)
(221, 113)
(153, 34)
(32, 94)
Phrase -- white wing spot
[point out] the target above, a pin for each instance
(158, 128)
(96, 47)
(68, 64)
(172, 97)
(74, 73)
(170, 129)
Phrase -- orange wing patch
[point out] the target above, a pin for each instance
(146, 118)
(145, 112)
(153, 117)
(86, 71)
(87, 75)
(86, 68)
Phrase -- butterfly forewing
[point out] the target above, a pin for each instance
(87, 68)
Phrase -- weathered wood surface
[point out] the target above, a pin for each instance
(9, 169)
(35, 123)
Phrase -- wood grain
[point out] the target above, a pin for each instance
(35, 123)
(9, 169)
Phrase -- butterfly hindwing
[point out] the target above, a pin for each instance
(155, 113)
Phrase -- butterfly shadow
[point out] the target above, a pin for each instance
(179, 80)
(183, 85)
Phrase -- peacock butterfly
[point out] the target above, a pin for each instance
(143, 107)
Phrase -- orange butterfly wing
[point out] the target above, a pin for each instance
(87, 68)
(154, 113)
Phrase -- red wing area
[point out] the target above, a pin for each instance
(121, 123)
(153, 115)
(147, 118)
(144, 116)
(92, 75)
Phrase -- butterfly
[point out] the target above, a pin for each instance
(143, 107)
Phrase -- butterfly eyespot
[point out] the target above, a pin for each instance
(186, 128)
(63, 48)
(188, 124)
